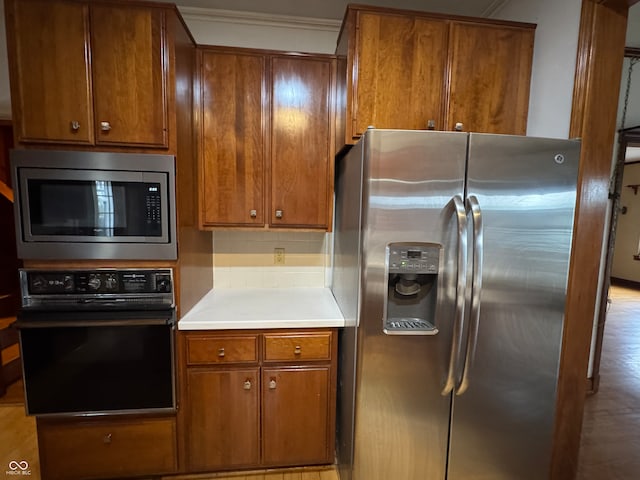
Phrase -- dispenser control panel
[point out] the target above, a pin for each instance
(413, 258)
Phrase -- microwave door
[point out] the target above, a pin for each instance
(89, 206)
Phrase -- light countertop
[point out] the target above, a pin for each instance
(263, 308)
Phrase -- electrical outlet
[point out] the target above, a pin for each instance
(278, 256)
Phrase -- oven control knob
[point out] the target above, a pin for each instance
(38, 284)
(94, 282)
(111, 282)
(68, 283)
(163, 284)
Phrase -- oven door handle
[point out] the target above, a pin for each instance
(92, 323)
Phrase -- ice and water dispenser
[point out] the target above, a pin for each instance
(412, 284)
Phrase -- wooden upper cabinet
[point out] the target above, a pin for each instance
(301, 141)
(232, 139)
(75, 65)
(51, 80)
(412, 70)
(266, 138)
(490, 76)
(128, 62)
(400, 65)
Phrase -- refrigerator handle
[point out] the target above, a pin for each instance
(476, 288)
(461, 281)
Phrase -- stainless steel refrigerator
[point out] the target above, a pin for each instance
(451, 258)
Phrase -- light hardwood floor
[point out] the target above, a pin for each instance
(610, 447)
(17, 434)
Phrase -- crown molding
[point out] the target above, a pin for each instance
(259, 19)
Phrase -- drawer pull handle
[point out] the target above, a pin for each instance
(221, 352)
(105, 126)
(253, 213)
(247, 384)
(297, 350)
(279, 213)
(107, 438)
(75, 125)
(272, 384)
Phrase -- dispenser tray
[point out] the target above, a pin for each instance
(409, 326)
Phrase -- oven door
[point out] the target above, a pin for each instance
(91, 363)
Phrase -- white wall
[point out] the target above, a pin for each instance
(253, 30)
(633, 27)
(633, 107)
(628, 230)
(554, 61)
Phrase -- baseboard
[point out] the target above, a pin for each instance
(593, 384)
(622, 282)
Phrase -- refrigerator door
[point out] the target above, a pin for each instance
(401, 414)
(502, 422)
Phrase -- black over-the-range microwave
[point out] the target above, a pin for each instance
(94, 205)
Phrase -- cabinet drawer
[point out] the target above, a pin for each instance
(208, 349)
(114, 448)
(297, 346)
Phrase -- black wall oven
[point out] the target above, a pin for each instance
(97, 341)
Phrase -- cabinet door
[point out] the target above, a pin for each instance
(301, 141)
(296, 416)
(129, 67)
(490, 77)
(399, 72)
(51, 81)
(232, 155)
(223, 426)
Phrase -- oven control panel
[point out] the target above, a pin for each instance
(100, 286)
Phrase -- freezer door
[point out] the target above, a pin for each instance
(401, 415)
(526, 190)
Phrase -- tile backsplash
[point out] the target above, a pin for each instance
(247, 259)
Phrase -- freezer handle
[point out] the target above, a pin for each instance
(476, 287)
(456, 342)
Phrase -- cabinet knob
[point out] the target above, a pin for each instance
(221, 352)
(75, 125)
(431, 125)
(297, 350)
(272, 384)
(107, 438)
(459, 126)
(247, 385)
(279, 213)
(105, 126)
(253, 213)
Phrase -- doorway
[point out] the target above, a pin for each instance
(624, 237)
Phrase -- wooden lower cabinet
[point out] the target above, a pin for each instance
(296, 416)
(272, 409)
(224, 418)
(106, 448)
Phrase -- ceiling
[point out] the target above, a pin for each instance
(334, 9)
